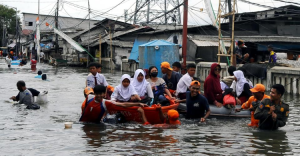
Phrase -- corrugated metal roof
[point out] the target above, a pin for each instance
(121, 43)
(249, 38)
(209, 43)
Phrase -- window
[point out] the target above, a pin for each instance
(28, 23)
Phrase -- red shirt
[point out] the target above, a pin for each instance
(94, 111)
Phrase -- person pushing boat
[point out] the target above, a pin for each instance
(273, 113)
(258, 95)
(26, 96)
(197, 105)
(96, 106)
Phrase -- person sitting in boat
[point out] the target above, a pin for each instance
(258, 95)
(226, 82)
(95, 78)
(109, 88)
(176, 67)
(212, 87)
(39, 76)
(125, 91)
(196, 104)
(171, 77)
(185, 81)
(273, 113)
(242, 87)
(23, 62)
(142, 87)
(158, 85)
(96, 107)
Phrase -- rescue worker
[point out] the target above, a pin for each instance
(258, 95)
(170, 120)
(273, 113)
(273, 57)
(96, 107)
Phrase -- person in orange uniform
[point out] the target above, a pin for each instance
(170, 120)
(258, 95)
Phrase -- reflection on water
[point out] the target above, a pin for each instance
(41, 132)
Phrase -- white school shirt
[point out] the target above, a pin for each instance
(90, 80)
(183, 84)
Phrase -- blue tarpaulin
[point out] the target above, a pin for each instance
(134, 54)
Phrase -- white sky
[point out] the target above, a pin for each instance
(195, 17)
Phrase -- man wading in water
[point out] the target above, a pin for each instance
(272, 113)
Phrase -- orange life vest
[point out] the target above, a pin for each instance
(93, 111)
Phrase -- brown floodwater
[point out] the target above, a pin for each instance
(42, 132)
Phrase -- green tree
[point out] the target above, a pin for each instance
(8, 21)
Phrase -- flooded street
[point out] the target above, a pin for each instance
(42, 132)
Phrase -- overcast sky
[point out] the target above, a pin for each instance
(66, 9)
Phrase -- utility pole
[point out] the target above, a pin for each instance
(2, 31)
(148, 12)
(166, 21)
(56, 25)
(39, 35)
(89, 28)
(100, 53)
(16, 31)
(178, 14)
(184, 33)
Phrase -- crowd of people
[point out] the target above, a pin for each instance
(146, 89)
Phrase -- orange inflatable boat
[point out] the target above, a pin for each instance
(131, 113)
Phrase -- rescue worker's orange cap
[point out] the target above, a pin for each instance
(195, 83)
(173, 117)
(88, 90)
(166, 65)
(258, 88)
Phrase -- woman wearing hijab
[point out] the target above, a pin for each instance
(125, 92)
(158, 85)
(242, 87)
(212, 87)
(141, 86)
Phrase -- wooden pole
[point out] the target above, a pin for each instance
(233, 62)
(219, 38)
(110, 48)
(100, 53)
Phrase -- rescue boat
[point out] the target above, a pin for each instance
(221, 111)
(151, 113)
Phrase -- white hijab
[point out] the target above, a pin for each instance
(241, 80)
(140, 87)
(125, 92)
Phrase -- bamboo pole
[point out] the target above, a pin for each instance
(100, 53)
